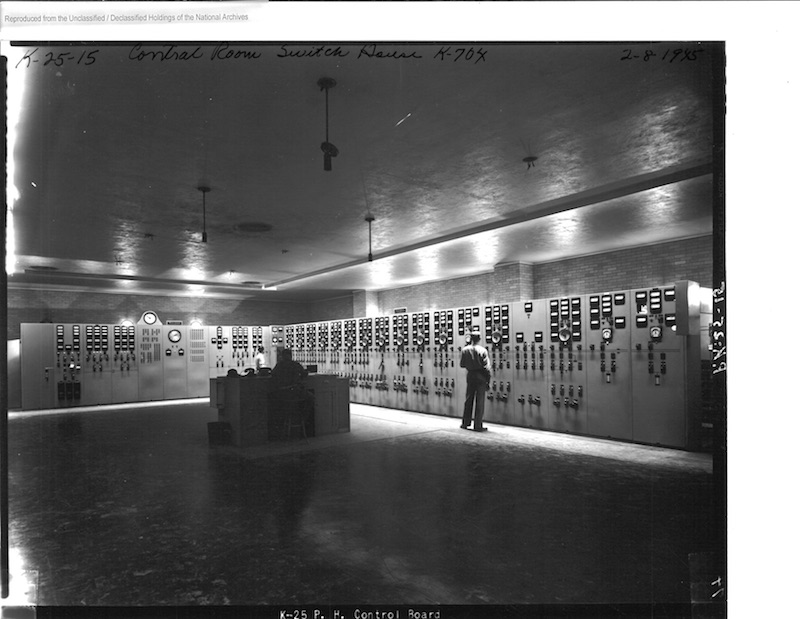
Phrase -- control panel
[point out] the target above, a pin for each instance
(622, 364)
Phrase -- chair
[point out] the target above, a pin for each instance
(292, 402)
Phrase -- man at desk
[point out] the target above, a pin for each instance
(287, 372)
(290, 392)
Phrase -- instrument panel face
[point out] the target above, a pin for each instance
(609, 364)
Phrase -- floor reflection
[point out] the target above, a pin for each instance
(134, 508)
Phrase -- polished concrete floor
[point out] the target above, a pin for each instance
(130, 506)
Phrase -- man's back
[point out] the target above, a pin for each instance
(474, 357)
(288, 372)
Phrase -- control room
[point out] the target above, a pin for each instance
(381, 325)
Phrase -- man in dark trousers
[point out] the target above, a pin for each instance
(475, 359)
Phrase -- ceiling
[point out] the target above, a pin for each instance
(110, 145)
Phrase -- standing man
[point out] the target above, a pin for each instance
(475, 359)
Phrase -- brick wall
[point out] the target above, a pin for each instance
(335, 308)
(650, 265)
(513, 282)
(459, 292)
(644, 266)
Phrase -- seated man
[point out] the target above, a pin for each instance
(290, 393)
(287, 372)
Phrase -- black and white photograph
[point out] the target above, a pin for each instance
(365, 328)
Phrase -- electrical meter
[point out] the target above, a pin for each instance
(655, 333)
(149, 318)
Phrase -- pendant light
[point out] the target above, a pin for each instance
(369, 219)
(329, 150)
(205, 190)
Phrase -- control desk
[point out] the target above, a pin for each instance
(248, 405)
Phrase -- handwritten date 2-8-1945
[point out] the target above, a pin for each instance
(669, 55)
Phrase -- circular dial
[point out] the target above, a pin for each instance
(655, 333)
(606, 332)
(150, 318)
(174, 335)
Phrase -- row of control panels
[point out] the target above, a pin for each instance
(559, 323)
(617, 364)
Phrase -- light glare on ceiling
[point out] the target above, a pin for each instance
(15, 93)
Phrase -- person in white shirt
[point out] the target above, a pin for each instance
(261, 359)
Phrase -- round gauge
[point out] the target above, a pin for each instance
(174, 336)
(149, 318)
(606, 333)
(655, 333)
(496, 337)
(564, 334)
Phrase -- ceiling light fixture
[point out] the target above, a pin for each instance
(529, 156)
(205, 190)
(329, 150)
(369, 219)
